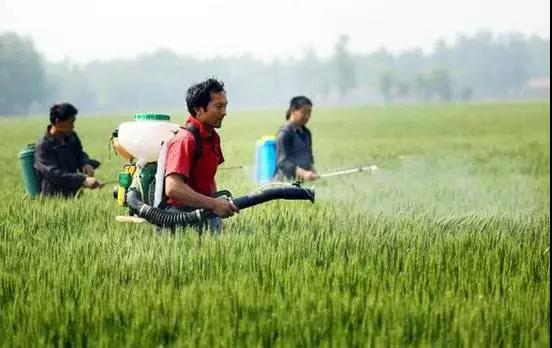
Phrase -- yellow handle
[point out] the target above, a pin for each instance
(121, 193)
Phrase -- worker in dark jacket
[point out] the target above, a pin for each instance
(294, 143)
(61, 164)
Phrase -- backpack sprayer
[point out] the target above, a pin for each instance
(141, 181)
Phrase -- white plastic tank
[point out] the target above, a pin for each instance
(142, 138)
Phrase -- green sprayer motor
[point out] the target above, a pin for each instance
(26, 163)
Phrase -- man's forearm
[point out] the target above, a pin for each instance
(178, 190)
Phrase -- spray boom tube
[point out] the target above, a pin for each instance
(164, 218)
(373, 168)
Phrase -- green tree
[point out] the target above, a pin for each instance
(441, 84)
(68, 82)
(22, 78)
(344, 66)
(386, 86)
(311, 76)
(422, 85)
(466, 93)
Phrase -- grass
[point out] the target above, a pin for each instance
(445, 246)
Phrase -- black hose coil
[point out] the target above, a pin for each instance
(165, 218)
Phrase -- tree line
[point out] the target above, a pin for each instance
(481, 66)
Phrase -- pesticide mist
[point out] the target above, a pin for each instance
(438, 187)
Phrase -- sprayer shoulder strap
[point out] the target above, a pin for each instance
(197, 137)
(197, 154)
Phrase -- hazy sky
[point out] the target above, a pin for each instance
(101, 29)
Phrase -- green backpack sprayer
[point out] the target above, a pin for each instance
(28, 173)
(141, 181)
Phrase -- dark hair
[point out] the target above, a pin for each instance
(199, 95)
(297, 103)
(62, 112)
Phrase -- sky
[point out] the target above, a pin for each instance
(82, 31)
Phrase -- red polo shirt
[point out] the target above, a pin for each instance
(198, 173)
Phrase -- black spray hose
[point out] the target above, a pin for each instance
(286, 192)
(164, 218)
(161, 217)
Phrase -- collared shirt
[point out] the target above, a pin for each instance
(199, 173)
(59, 162)
(293, 149)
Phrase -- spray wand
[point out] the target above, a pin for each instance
(371, 168)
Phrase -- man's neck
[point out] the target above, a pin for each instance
(206, 127)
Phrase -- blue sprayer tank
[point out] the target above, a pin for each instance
(26, 163)
(265, 159)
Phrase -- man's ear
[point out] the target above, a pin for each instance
(199, 110)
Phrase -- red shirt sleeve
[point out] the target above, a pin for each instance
(180, 154)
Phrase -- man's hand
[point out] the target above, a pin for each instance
(224, 208)
(311, 175)
(305, 175)
(92, 183)
(88, 170)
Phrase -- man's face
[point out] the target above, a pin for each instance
(66, 126)
(215, 111)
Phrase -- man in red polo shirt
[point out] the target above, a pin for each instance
(194, 154)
